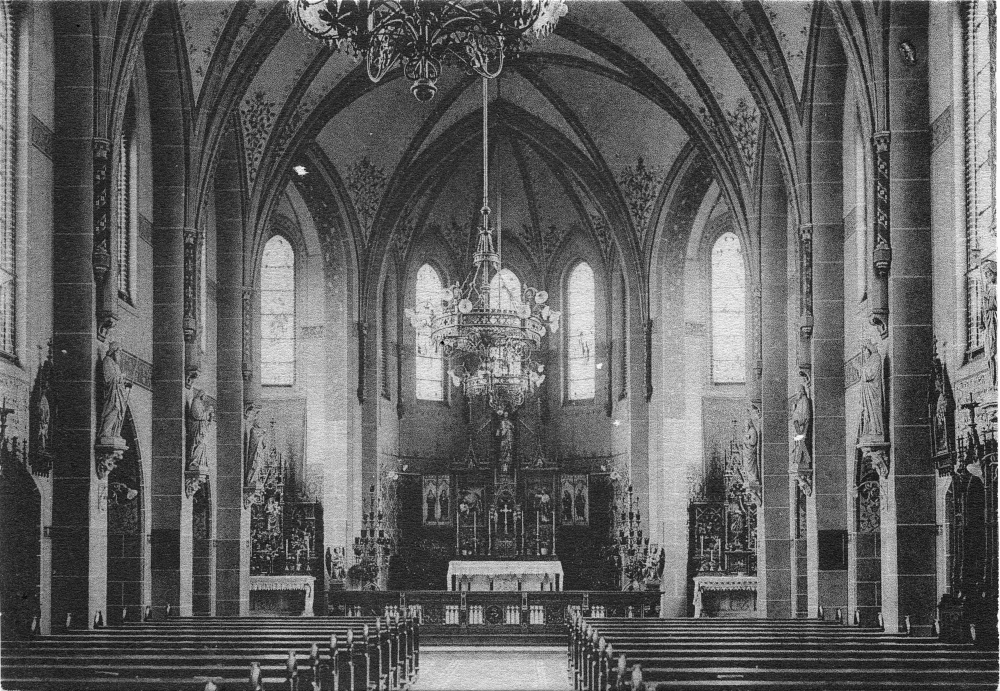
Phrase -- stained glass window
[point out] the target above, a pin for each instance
(277, 313)
(580, 365)
(429, 360)
(728, 311)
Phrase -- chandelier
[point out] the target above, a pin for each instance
(486, 328)
(421, 35)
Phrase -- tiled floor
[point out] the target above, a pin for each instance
(492, 669)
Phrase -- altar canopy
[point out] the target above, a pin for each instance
(505, 575)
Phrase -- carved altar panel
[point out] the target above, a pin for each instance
(437, 500)
(574, 500)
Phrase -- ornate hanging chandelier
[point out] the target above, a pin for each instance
(486, 328)
(422, 35)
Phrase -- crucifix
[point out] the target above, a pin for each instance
(971, 407)
(506, 511)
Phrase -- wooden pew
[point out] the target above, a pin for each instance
(191, 652)
(650, 654)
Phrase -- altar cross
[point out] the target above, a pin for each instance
(506, 511)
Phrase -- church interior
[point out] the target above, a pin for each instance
(343, 344)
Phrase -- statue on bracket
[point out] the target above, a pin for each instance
(750, 456)
(200, 418)
(988, 313)
(873, 440)
(940, 408)
(117, 388)
(800, 463)
(254, 453)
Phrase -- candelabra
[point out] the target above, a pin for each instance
(632, 549)
(373, 545)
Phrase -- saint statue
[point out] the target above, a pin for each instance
(200, 416)
(751, 444)
(581, 504)
(44, 419)
(255, 452)
(988, 314)
(800, 461)
(544, 505)
(872, 426)
(506, 433)
(567, 506)
(431, 506)
(116, 393)
(443, 505)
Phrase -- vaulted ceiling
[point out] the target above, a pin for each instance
(591, 121)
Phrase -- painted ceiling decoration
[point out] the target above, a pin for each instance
(591, 120)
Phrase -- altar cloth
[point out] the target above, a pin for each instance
(505, 574)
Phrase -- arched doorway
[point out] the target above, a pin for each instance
(125, 530)
(20, 549)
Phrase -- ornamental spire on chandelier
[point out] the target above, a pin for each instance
(424, 35)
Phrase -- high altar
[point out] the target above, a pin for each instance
(505, 524)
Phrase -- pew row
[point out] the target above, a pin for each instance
(318, 654)
(652, 655)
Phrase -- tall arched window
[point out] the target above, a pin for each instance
(580, 365)
(8, 237)
(277, 313)
(729, 289)
(429, 360)
(505, 289)
(126, 212)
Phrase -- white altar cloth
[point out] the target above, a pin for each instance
(476, 574)
(720, 584)
(289, 582)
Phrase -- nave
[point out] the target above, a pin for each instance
(676, 314)
(602, 654)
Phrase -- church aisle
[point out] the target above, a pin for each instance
(492, 669)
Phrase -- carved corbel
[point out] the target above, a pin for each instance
(193, 481)
(107, 457)
(882, 246)
(878, 456)
(106, 309)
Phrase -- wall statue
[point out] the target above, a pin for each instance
(750, 456)
(116, 393)
(800, 462)
(200, 418)
(871, 431)
(988, 313)
(255, 451)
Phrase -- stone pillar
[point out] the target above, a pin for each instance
(830, 505)
(170, 520)
(775, 596)
(79, 518)
(909, 532)
(232, 533)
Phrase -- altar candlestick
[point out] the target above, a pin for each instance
(475, 543)
(553, 531)
(538, 532)
(458, 523)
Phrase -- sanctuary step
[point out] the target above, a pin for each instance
(185, 653)
(654, 654)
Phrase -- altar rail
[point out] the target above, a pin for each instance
(443, 613)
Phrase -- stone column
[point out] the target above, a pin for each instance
(79, 518)
(829, 507)
(775, 598)
(232, 533)
(909, 532)
(170, 520)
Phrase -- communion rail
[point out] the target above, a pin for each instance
(495, 617)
